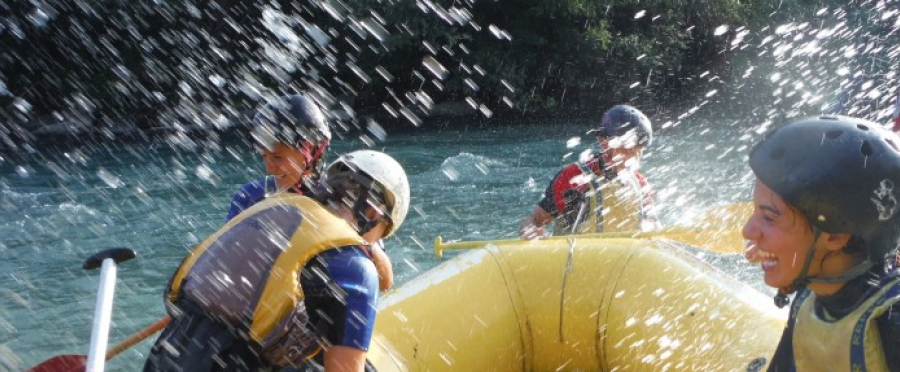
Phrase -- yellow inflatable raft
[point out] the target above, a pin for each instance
(588, 304)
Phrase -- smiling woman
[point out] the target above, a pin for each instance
(293, 136)
(825, 226)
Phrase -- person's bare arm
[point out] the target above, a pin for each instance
(383, 266)
(532, 227)
(344, 359)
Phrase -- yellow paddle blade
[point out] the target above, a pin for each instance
(717, 230)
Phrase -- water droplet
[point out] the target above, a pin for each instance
(205, 173)
(217, 80)
(376, 130)
(499, 33)
(435, 67)
(22, 105)
(110, 179)
(721, 30)
(451, 173)
(384, 74)
(375, 29)
(22, 171)
(412, 117)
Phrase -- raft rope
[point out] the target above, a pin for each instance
(562, 296)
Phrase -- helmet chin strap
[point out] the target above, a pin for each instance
(803, 280)
(606, 165)
(311, 155)
(799, 284)
(363, 223)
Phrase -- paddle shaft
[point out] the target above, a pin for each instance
(138, 337)
(694, 237)
(716, 230)
(95, 361)
(729, 241)
(77, 363)
(102, 315)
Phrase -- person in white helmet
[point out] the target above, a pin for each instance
(293, 137)
(289, 279)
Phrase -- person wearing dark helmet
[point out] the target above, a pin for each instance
(292, 136)
(825, 226)
(289, 279)
(604, 193)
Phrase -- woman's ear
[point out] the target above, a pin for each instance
(835, 241)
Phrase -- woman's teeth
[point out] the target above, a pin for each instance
(757, 256)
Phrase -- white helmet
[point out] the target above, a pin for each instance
(387, 173)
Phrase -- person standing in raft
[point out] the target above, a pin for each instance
(292, 134)
(825, 225)
(607, 192)
(288, 278)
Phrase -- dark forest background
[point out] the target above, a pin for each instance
(112, 69)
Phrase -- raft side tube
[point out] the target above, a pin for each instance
(672, 313)
(599, 305)
(458, 316)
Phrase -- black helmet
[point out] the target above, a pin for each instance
(622, 119)
(291, 120)
(842, 173)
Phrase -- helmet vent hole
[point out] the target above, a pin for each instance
(862, 127)
(832, 134)
(866, 148)
(777, 154)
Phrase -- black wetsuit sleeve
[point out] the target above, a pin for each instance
(889, 330)
(783, 359)
(340, 289)
(548, 202)
(321, 300)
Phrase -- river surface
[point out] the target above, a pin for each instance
(60, 206)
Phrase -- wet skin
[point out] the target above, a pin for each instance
(779, 238)
(287, 164)
(620, 157)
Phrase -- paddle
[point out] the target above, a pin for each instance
(717, 230)
(77, 363)
(106, 260)
(138, 337)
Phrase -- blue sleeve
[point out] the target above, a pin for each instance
(250, 193)
(355, 275)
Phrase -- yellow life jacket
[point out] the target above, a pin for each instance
(293, 229)
(849, 344)
(613, 204)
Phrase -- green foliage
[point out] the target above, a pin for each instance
(167, 63)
